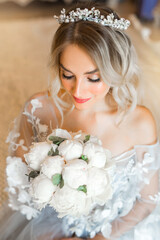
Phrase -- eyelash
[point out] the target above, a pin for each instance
(70, 77)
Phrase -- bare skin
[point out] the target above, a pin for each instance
(95, 116)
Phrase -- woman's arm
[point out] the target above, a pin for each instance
(141, 210)
(28, 124)
(147, 134)
(25, 132)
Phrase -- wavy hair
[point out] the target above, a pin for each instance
(113, 54)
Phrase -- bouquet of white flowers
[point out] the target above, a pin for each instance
(69, 172)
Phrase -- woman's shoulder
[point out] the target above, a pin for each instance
(41, 105)
(38, 102)
(143, 125)
(38, 96)
(35, 99)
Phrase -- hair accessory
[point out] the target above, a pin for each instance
(92, 15)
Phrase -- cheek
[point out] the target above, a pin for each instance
(66, 84)
(99, 88)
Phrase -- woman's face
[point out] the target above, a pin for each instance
(81, 78)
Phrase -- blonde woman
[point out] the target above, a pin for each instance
(94, 88)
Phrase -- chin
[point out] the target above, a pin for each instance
(82, 106)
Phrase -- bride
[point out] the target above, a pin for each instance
(94, 89)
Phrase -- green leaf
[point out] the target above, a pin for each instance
(82, 188)
(32, 174)
(87, 137)
(50, 152)
(57, 140)
(56, 179)
(51, 138)
(84, 157)
(53, 153)
(61, 183)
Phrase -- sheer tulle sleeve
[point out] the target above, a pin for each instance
(145, 172)
(27, 128)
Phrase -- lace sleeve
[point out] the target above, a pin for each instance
(146, 173)
(27, 129)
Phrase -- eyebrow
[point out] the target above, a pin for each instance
(93, 71)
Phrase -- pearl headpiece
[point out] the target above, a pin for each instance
(92, 15)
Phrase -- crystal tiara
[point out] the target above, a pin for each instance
(92, 15)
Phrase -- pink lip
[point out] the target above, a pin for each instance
(79, 100)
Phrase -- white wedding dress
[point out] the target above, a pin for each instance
(135, 203)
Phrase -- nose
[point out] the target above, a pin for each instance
(78, 88)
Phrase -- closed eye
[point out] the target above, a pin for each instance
(67, 77)
(94, 80)
(90, 79)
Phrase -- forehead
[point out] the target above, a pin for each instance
(77, 59)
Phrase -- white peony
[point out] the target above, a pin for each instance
(59, 133)
(81, 136)
(67, 201)
(98, 184)
(98, 160)
(96, 154)
(38, 152)
(76, 135)
(95, 140)
(75, 173)
(16, 170)
(52, 165)
(42, 189)
(70, 149)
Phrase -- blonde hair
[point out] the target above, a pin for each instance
(113, 54)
